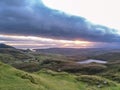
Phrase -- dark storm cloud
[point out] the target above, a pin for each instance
(31, 17)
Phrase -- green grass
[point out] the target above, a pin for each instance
(13, 79)
(83, 77)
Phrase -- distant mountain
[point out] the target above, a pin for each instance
(76, 51)
(5, 46)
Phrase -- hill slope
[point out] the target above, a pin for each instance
(5, 46)
(13, 79)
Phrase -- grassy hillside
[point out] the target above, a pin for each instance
(32, 62)
(11, 54)
(13, 79)
(56, 72)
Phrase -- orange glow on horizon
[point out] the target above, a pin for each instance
(40, 41)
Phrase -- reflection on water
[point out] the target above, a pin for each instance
(92, 61)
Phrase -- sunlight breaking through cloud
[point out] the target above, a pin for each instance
(39, 42)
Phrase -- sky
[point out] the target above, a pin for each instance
(60, 23)
(104, 12)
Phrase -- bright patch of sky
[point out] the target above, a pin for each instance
(104, 12)
(39, 42)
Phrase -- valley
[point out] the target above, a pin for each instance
(33, 70)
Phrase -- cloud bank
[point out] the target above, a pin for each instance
(33, 18)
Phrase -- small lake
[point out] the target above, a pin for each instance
(92, 61)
